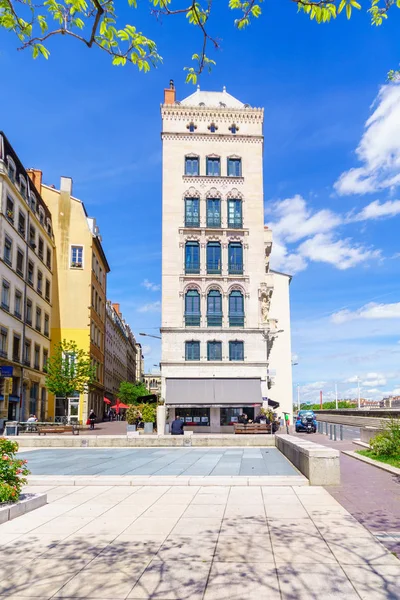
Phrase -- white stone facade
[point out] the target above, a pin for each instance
(218, 129)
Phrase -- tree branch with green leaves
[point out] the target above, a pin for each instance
(69, 370)
(96, 23)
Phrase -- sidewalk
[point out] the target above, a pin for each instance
(371, 495)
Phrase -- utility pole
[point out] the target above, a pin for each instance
(298, 397)
(336, 396)
(359, 397)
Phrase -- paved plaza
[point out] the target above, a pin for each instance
(203, 462)
(193, 543)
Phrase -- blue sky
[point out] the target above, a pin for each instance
(332, 159)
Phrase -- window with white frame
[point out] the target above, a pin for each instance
(3, 342)
(7, 250)
(22, 186)
(11, 169)
(77, 257)
(5, 295)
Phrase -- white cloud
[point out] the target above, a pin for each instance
(379, 148)
(150, 307)
(146, 350)
(376, 210)
(293, 222)
(342, 254)
(372, 310)
(373, 383)
(153, 287)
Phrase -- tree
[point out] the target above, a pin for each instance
(35, 22)
(129, 392)
(69, 370)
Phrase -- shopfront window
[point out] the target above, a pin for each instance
(194, 417)
(229, 415)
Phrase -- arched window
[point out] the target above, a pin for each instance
(235, 255)
(214, 258)
(192, 308)
(235, 218)
(214, 309)
(11, 169)
(192, 257)
(192, 127)
(233, 128)
(213, 212)
(192, 212)
(212, 127)
(33, 202)
(236, 309)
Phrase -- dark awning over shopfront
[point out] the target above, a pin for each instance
(213, 392)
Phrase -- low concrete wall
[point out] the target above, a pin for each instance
(321, 465)
(144, 441)
(367, 433)
(357, 418)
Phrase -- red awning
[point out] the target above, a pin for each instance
(120, 405)
(106, 400)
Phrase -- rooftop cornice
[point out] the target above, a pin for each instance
(246, 113)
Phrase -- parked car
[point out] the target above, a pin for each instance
(306, 421)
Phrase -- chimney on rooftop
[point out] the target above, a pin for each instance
(116, 308)
(170, 93)
(35, 175)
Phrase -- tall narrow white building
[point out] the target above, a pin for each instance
(225, 314)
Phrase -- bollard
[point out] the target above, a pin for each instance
(326, 428)
(341, 432)
(334, 433)
(330, 431)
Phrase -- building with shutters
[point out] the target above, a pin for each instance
(225, 314)
(26, 279)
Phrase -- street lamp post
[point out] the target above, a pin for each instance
(336, 396)
(157, 337)
(359, 393)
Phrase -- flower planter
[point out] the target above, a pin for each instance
(25, 504)
(148, 428)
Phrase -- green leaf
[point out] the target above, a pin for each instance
(348, 11)
(341, 6)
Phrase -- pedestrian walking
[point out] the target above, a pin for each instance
(92, 418)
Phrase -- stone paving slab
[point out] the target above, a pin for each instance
(233, 551)
(167, 462)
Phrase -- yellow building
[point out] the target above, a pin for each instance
(79, 292)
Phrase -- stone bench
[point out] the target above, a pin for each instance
(320, 464)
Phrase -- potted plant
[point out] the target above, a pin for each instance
(149, 417)
(133, 415)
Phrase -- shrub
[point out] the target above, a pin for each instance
(387, 443)
(149, 413)
(133, 414)
(13, 471)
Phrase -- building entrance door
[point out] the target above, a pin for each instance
(249, 410)
(73, 410)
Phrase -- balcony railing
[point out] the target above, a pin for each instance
(214, 320)
(214, 268)
(192, 269)
(235, 269)
(214, 222)
(236, 224)
(236, 321)
(192, 222)
(192, 320)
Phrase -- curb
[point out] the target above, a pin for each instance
(371, 461)
(22, 507)
(152, 480)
